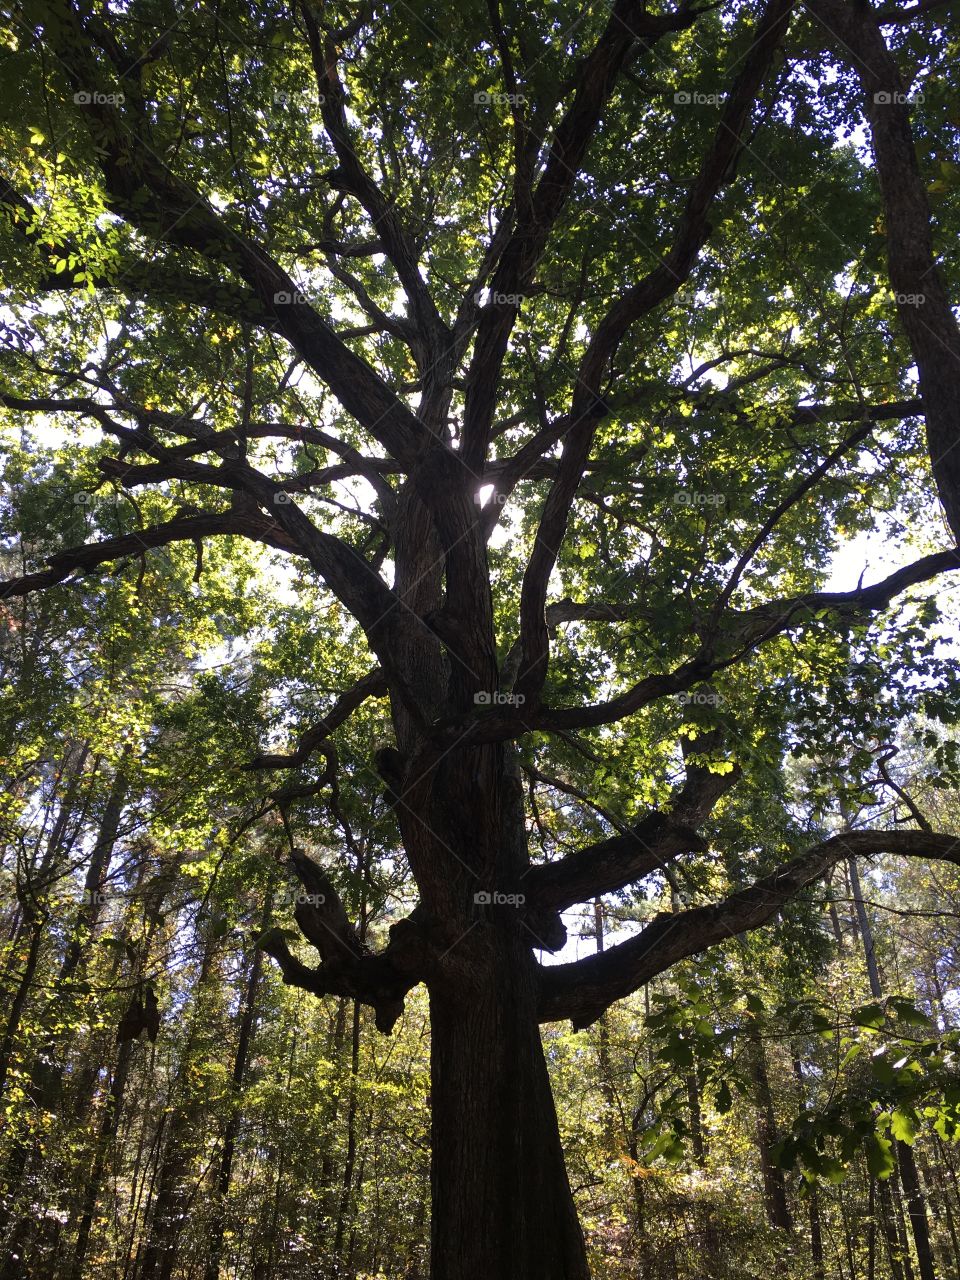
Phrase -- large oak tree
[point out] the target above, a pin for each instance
(562, 349)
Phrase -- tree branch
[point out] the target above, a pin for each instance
(923, 303)
(587, 408)
(629, 24)
(583, 990)
(183, 529)
(372, 685)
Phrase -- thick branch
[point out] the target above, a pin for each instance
(648, 846)
(373, 980)
(183, 529)
(609, 864)
(665, 279)
(583, 990)
(923, 303)
(747, 629)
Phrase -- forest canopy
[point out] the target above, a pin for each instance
(479, 529)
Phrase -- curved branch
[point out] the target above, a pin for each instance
(91, 555)
(648, 846)
(582, 991)
(372, 685)
(748, 629)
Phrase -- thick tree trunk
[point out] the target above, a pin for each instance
(502, 1206)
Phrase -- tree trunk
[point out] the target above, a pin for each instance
(916, 1206)
(248, 1022)
(106, 1132)
(890, 1230)
(107, 1124)
(32, 911)
(46, 1073)
(346, 1184)
(813, 1199)
(774, 1185)
(170, 1202)
(502, 1205)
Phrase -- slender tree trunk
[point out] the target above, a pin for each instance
(29, 893)
(935, 1193)
(30, 962)
(901, 1228)
(888, 1222)
(106, 1132)
(813, 1199)
(46, 1073)
(872, 1232)
(346, 1185)
(774, 1184)
(945, 1199)
(847, 1235)
(916, 1206)
(108, 1123)
(248, 1021)
(612, 1125)
(325, 1182)
(169, 1204)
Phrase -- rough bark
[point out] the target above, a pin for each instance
(502, 1206)
(922, 300)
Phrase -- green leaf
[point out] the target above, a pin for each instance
(903, 1126)
(879, 1153)
(871, 1016)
